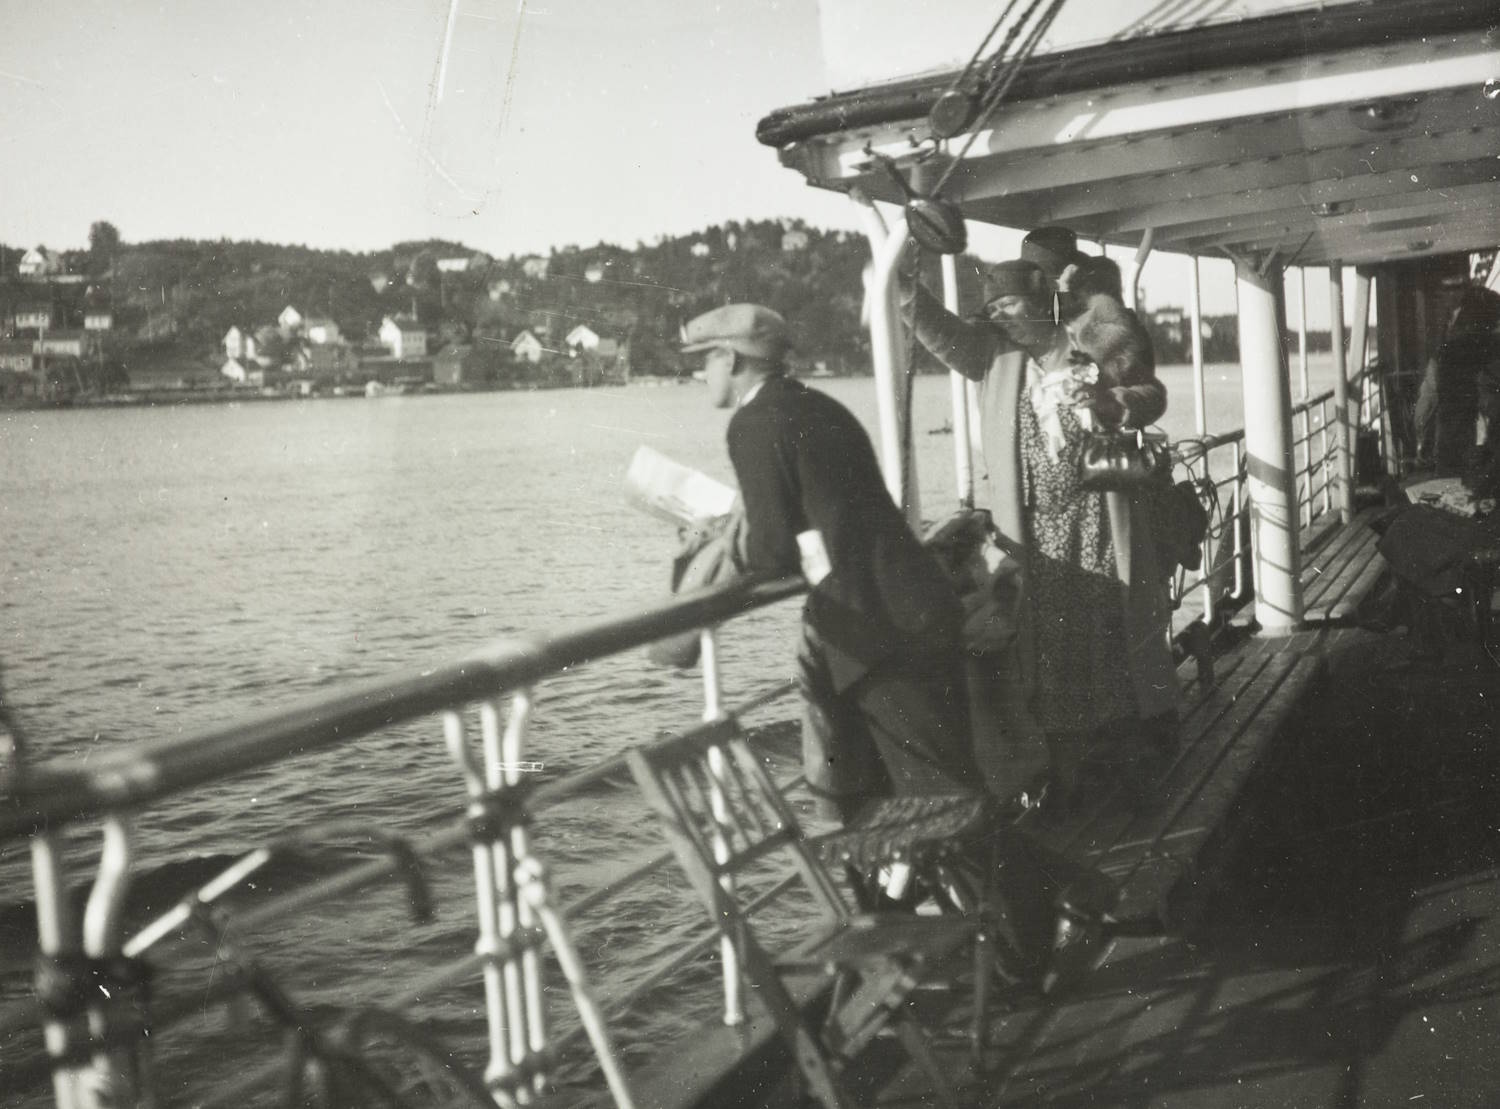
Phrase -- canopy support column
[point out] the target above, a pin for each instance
(1370, 386)
(1268, 450)
(963, 453)
(886, 347)
(1343, 449)
(1132, 288)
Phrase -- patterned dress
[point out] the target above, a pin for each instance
(1083, 677)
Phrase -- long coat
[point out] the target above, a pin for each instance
(984, 353)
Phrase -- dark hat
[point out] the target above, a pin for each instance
(1015, 278)
(1053, 248)
(750, 329)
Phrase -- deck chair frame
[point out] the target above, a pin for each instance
(723, 814)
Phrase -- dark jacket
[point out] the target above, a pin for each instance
(804, 463)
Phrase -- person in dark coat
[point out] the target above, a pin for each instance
(882, 628)
(883, 623)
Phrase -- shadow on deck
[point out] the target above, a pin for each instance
(1325, 860)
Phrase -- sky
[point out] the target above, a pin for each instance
(510, 127)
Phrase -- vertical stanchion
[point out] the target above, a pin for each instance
(506, 899)
(1302, 334)
(1343, 466)
(734, 1001)
(963, 450)
(1240, 554)
(488, 945)
(504, 768)
(58, 942)
(1268, 448)
(886, 245)
(1195, 319)
(118, 1044)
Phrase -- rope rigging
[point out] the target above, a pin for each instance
(935, 223)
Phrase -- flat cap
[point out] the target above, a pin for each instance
(751, 329)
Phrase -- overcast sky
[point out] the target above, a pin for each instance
(359, 123)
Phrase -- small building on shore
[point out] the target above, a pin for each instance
(404, 337)
(321, 330)
(239, 344)
(17, 355)
(39, 262)
(582, 338)
(66, 344)
(35, 315)
(456, 366)
(526, 347)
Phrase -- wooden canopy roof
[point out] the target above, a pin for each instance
(1365, 132)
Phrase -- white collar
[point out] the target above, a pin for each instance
(750, 393)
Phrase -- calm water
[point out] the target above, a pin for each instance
(165, 570)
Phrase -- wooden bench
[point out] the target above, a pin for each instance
(1151, 845)
(1340, 570)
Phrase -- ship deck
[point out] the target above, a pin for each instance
(1326, 857)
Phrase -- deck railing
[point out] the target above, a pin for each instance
(90, 998)
(1217, 464)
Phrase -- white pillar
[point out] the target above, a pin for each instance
(1195, 318)
(886, 246)
(1343, 449)
(1302, 335)
(963, 454)
(1268, 447)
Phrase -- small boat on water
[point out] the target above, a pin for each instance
(1339, 136)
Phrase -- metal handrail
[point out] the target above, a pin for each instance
(64, 790)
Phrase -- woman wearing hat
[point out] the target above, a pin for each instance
(1093, 667)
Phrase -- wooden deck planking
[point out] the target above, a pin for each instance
(1340, 573)
(1058, 1048)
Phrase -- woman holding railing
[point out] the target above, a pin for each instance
(1092, 666)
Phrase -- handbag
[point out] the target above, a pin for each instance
(1123, 459)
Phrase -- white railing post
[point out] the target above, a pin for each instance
(1302, 333)
(1268, 448)
(734, 1000)
(488, 946)
(117, 1077)
(963, 450)
(58, 942)
(1195, 316)
(1343, 457)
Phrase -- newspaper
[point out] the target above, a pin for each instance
(677, 493)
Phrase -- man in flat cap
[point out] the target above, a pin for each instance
(882, 622)
(881, 664)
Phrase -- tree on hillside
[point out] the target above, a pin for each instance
(104, 241)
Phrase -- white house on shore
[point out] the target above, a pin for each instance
(239, 344)
(35, 317)
(526, 347)
(66, 344)
(321, 330)
(235, 371)
(39, 262)
(290, 320)
(403, 337)
(582, 338)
